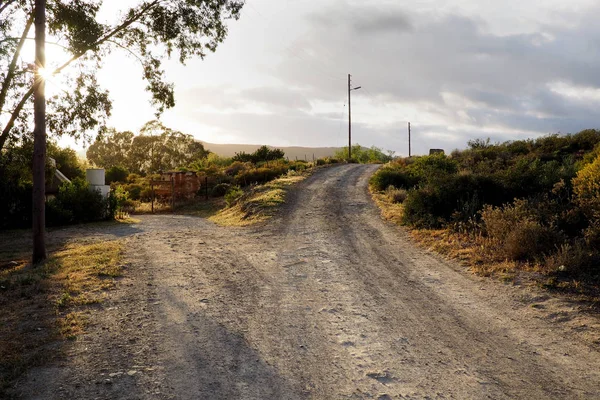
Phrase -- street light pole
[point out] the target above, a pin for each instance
(350, 89)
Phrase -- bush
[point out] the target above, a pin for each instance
(259, 175)
(455, 197)
(116, 174)
(233, 195)
(77, 203)
(220, 190)
(387, 176)
(15, 201)
(134, 190)
(396, 195)
(263, 153)
(517, 230)
(528, 240)
(586, 187)
(500, 221)
(434, 166)
(298, 166)
(573, 259)
(235, 168)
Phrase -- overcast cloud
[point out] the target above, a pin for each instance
(456, 69)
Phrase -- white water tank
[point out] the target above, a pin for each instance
(95, 176)
(96, 179)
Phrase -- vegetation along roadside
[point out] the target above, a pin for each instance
(50, 303)
(528, 208)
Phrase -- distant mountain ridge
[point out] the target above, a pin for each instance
(291, 152)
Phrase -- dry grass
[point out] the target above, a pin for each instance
(146, 208)
(389, 211)
(51, 302)
(258, 204)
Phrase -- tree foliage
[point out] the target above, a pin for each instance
(262, 154)
(365, 155)
(150, 31)
(156, 148)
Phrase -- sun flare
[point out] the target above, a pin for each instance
(45, 73)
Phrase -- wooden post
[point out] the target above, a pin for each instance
(172, 193)
(152, 190)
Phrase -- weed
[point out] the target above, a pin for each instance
(396, 195)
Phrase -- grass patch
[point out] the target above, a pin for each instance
(258, 204)
(51, 302)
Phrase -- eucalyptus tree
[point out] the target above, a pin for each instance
(150, 31)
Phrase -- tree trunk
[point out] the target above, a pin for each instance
(39, 133)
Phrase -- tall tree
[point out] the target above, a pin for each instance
(156, 148)
(39, 136)
(150, 31)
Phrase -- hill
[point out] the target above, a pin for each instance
(292, 152)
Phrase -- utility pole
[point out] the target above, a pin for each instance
(409, 139)
(349, 119)
(39, 135)
(350, 89)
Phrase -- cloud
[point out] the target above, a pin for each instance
(277, 97)
(457, 72)
(503, 79)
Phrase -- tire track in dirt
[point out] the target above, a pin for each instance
(326, 301)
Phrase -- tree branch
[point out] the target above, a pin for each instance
(13, 64)
(14, 116)
(6, 5)
(108, 36)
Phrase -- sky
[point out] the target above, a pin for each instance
(456, 69)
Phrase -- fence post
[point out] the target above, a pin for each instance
(172, 193)
(206, 186)
(152, 190)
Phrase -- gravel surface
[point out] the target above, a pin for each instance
(326, 301)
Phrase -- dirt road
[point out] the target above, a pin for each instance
(326, 301)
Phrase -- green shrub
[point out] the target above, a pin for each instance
(259, 175)
(56, 215)
(76, 202)
(233, 195)
(116, 174)
(433, 166)
(263, 153)
(386, 177)
(455, 197)
(134, 190)
(235, 168)
(419, 206)
(298, 166)
(220, 190)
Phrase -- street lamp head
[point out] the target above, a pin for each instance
(356, 88)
